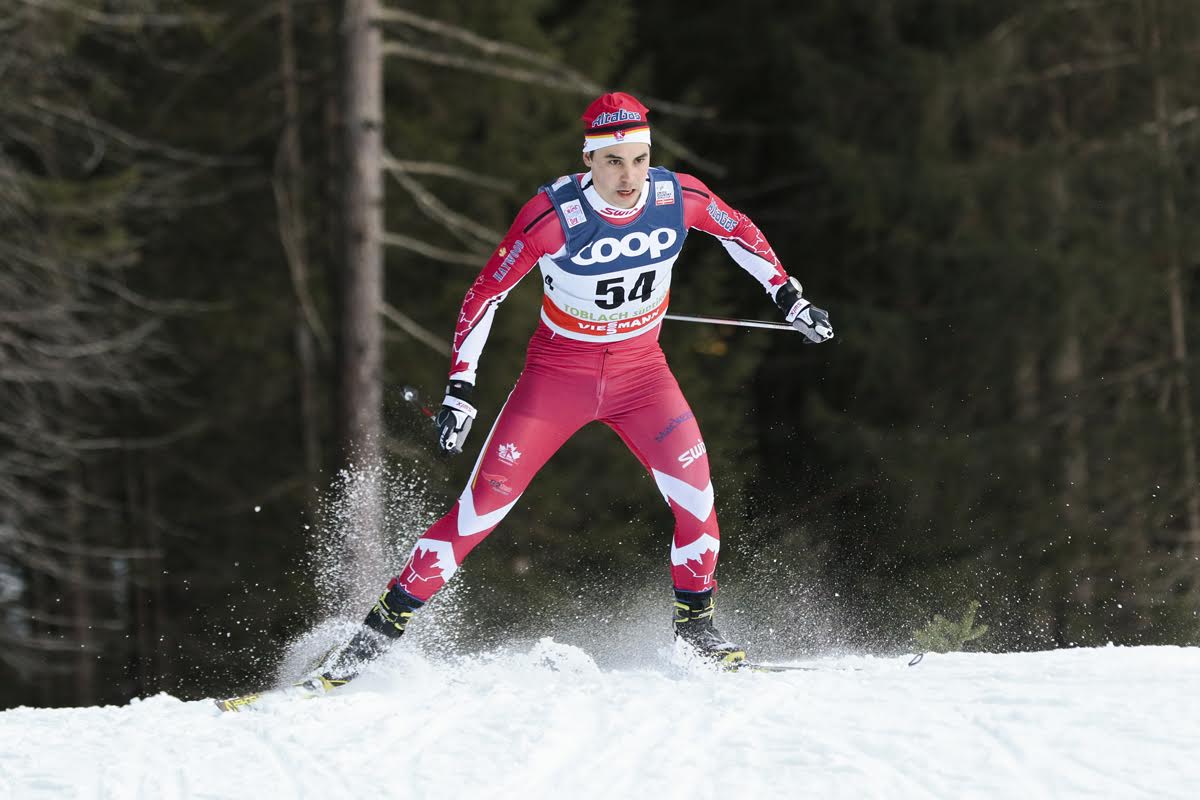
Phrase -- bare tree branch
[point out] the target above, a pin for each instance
(416, 330)
(1010, 25)
(1072, 68)
(87, 551)
(687, 154)
(437, 210)
(546, 79)
(42, 643)
(64, 622)
(122, 343)
(291, 240)
(521, 75)
(128, 21)
(432, 251)
(56, 567)
(574, 80)
(84, 122)
(451, 171)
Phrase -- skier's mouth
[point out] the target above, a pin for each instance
(626, 193)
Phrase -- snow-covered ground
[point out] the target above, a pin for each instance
(546, 722)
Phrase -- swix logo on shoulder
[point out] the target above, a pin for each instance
(612, 117)
(720, 217)
(573, 211)
(689, 456)
(601, 251)
(561, 182)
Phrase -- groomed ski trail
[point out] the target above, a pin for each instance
(547, 723)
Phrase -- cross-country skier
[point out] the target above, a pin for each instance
(605, 241)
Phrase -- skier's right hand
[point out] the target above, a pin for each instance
(455, 417)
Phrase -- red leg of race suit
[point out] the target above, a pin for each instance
(649, 413)
(565, 385)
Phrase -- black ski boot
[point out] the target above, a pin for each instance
(383, 626)
(693, 624)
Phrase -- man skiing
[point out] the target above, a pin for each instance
(605, 241)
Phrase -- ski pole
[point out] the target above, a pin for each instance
(413, 396)
(744, 323)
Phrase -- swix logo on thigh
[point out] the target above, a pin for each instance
(637, 243)
(689, 456)
(509, 453)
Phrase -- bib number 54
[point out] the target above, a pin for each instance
(610, 292)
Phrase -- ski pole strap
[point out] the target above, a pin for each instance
(458, 404)
(742, 323)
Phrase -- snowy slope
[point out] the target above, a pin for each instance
(547, 722)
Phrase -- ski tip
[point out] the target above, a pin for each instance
(236, 704)
(306, 689)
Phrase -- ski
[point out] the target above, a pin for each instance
(304, 690)
(750, 666)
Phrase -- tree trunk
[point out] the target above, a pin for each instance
(1073, 562)
(360, 381)
(80, 593)
(1028, 400)
(293, 231)
(40, 602)
(135, 579)
(1176, 292)
(160, 640)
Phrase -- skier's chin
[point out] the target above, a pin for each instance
(624, 198)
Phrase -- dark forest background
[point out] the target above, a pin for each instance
(997, 202)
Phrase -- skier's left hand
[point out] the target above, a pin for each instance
(455, 417)
(813, 322)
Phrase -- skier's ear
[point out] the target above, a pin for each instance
(587, 159)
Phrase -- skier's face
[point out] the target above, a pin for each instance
(619, 172)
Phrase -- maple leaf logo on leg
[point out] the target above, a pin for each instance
(702, 567)
(423, 565)
(699, 558)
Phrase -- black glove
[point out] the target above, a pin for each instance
(813, 322)
(455, 417)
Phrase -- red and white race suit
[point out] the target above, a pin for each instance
(594, 356)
